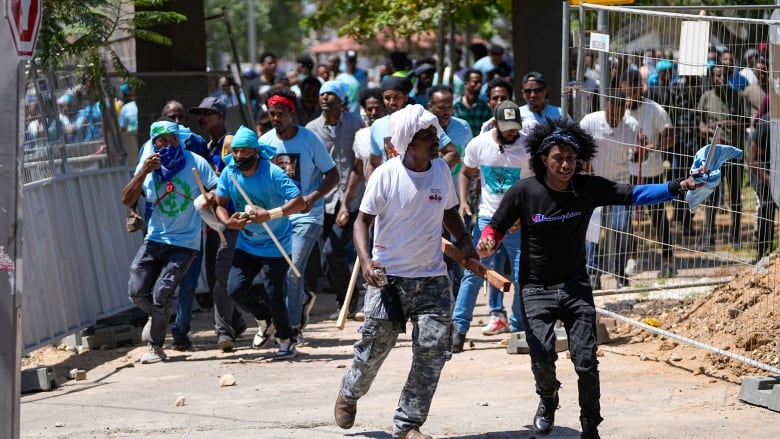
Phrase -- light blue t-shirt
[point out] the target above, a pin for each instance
(549, 111)
(269, 187)
(306, 161)
(460, 133)
(128, 117)
(380, 135)
(174, 220)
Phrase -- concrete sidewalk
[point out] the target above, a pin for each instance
(483, 393)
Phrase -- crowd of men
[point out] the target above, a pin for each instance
(373, 177)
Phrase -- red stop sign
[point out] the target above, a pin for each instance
(24, 20)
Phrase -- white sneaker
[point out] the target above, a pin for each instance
(630, 267)
(265, 331)
(155, 354)
(497, 325)
(146, 331)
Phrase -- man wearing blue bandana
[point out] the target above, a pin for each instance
(273, 196)
(173, 235)
(554, 208)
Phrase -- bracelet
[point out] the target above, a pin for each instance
(276, 213)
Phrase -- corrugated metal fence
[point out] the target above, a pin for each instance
(76, 253)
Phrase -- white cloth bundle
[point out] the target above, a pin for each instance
(207, 214)
(407, 121)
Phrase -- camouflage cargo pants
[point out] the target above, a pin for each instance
(427, 302)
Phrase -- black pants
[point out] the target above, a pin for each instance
(334, 254)
(572, 304)
(765, 223)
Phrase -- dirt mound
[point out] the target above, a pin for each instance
(740, 317)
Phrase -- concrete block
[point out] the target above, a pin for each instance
(518, 345)
(112, 336)
(602, 333)
(36, 379)
(761, 391)
(561, 339)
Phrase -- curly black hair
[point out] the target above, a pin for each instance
(534, 142)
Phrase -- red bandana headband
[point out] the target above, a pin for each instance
(276, 99)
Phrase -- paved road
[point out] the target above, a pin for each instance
(484, 393)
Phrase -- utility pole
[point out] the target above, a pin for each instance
(251, 33)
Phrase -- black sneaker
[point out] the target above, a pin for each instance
(298, 339)
(286, 350)
(458, 340)
(308, 304)
(182, 343)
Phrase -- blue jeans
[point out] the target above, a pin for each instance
(304, 236)
(155, 273)
(187, 287)
(571, 303)
(427, 302)
(469, 286)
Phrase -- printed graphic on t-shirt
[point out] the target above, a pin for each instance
(435, 196)
(290, 164)
(173, 197)
(498, 179)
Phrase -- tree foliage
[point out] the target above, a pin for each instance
(80, 32)
(399, 19)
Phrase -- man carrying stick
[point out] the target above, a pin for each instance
(273, 196)
(409, 197)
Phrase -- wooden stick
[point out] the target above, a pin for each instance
(267, 229)
(222, 240)
(482, 270)
(342, 320)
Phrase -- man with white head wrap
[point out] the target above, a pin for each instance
(408, 199)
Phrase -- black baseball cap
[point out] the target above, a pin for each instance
(210, 103)
(534, 76)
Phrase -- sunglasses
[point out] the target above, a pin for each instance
(536, 90)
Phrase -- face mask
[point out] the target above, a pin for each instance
(171, 161)
(245, 164)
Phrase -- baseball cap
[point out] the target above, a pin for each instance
(210, 103)
(351, 54)
(508, 116)
(534, 76)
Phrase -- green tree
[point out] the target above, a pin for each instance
(399, 19)
(79, 32)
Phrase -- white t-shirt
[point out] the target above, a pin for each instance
(614, 145)
(409, 208)
(362, 149)
(653, 119)
(498, 170)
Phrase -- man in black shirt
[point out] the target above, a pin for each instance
(554, 208)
